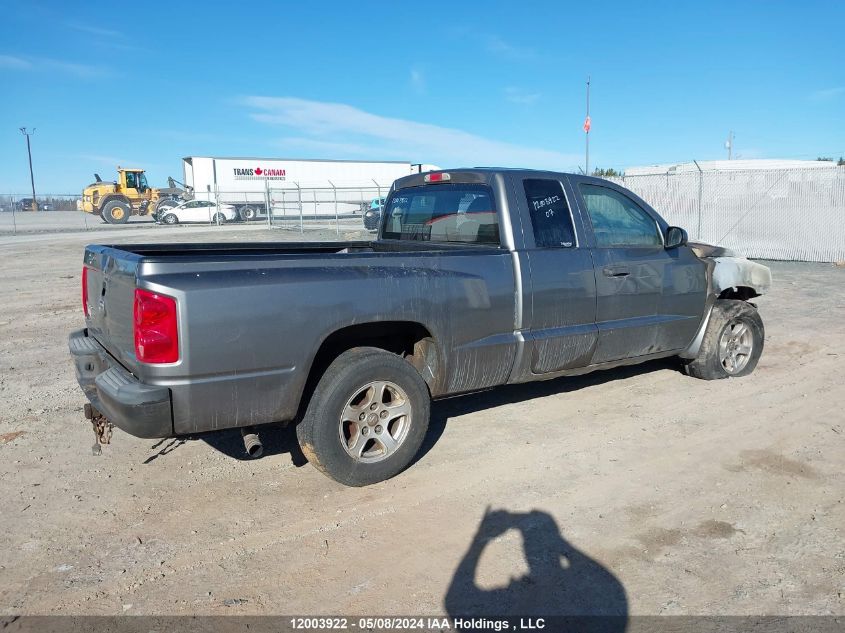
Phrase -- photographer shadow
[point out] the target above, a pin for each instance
(562, 581)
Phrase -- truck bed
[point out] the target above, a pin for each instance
(266, 308)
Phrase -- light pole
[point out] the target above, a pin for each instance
(587, 125)
(31, 176)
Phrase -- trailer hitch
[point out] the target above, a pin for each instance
(102, 428)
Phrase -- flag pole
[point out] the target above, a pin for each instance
(587, 130)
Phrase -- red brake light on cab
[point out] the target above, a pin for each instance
(85, 290)
(155, 326)
(437, 176)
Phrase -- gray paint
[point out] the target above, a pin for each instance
(252, 317)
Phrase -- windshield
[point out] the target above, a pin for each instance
(442, 213)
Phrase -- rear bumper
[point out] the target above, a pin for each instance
(139, 409)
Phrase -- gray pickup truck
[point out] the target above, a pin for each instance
(478, 278)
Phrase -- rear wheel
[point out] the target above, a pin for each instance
(248, 213)
(732, 344)
(116, 212)
(170, 218)
(367, 417)
(219, 218)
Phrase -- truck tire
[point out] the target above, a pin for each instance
(367, 417)
(732, 344)
(248, 213)
(116, 212)
(372, 217)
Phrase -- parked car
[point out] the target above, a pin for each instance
(478, 278)
(197, 211)
(47, 206)
(372, 216)
(25, 204)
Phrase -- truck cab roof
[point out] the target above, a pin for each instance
(485, 175)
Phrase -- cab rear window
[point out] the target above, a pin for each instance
(442, 213)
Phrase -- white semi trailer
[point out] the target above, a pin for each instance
(293, 187)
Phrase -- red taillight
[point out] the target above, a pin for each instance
(156, 332)
(437, 176)
(85, 290)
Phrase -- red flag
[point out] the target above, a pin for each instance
(587, 124)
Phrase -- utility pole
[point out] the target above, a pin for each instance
(31, 176)
(587, 125)
(729, 144)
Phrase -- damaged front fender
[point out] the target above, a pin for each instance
(738, 272)
(728, 274)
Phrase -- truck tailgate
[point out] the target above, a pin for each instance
(109, 297)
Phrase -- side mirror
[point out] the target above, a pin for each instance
(675, 237)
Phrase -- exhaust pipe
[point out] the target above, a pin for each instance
(252, 443)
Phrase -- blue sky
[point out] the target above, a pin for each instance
(471, 83)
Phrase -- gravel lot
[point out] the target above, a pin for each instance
(636, 491)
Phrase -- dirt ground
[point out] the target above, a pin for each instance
(637, 491)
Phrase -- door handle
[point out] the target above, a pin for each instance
(616, 271)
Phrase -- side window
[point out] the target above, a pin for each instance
(549, 213)
(617, 220)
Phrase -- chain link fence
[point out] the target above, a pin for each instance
(18, 213)
(785, 214)
(328, 206)
(295, 207)
(47, 202)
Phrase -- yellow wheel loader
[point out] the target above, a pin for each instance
(129, 195)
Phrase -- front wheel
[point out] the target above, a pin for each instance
(367, 417)
(116, 212)
(170, 218)
(732, 344)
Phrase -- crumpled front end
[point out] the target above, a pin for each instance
(739, 272)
